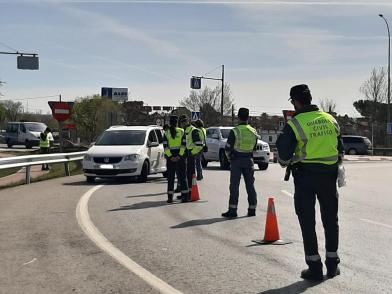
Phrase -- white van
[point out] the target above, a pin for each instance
(23, 133)
(126, 152)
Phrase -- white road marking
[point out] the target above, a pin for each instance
(287, 193)
(376, 223)
(31, 261)
(96, 236)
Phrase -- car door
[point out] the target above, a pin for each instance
(212, 144)
(153, 150)
(161, 164)
(22, 134)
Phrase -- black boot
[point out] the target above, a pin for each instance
(314, 272)
(169, 199)
(184, 198)
(251, 212)
(332, 267)
(231, 213)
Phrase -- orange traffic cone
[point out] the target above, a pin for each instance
(195, 189)
(271, 233)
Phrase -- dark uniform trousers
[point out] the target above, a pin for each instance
(178, 168)
(308, 184)
(242, 166)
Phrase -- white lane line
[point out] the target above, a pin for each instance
(96, 236)
(287, 193)
(376, 223)
(31, 261)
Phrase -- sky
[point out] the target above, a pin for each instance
(154, 47)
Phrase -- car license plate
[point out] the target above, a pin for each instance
(106, 166)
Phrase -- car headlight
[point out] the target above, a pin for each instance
(132, 157)
(87, 157)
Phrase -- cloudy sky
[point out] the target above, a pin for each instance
(154, 47)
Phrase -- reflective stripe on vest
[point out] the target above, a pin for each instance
(175, 144)
(195, 147)
(245, 138)
(316, 133)
(44, 143)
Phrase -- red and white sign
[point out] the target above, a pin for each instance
(288, 114)
(61, 111)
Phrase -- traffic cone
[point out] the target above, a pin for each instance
(195, 189)
(271, 233)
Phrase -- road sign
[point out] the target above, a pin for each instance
(195, 83)
(196, 115)
(288, 114)
(389, 128)
(28, 62)
(61, 111)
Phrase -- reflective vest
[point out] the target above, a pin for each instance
(316, 133)
(245, 138)
(44, 143)
(174, 144)
(194, 147)
(203, 135)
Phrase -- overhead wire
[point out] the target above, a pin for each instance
(9, 47)
(29, 98)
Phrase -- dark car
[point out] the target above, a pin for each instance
(357, 145)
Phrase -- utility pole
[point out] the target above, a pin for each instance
(223, 85)
(232, 114)
(61, 133)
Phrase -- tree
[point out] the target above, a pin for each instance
(1, 84)
(328, 105)
(374, 88)
(198, 100)
(92, 115)
(13, 110)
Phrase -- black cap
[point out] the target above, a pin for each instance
(301, 93)
(173, 120)
(243, 113)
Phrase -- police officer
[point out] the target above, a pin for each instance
(239, 148)
(199, 124)
(174, 144)
(44, 145)
(311, 145)
(194, 146)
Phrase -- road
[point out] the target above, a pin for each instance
(16, 148)
(187, 246)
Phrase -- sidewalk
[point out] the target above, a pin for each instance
(21, 176)
(367, 158)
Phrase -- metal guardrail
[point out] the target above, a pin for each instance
(28, 161)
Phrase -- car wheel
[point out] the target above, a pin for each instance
(263, 166)
(204, 162)
(28, 144)
(90, 179)
(224, 162)
(142, 178)
(352, 151)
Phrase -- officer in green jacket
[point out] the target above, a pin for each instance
(199, 124)
(239, 148)
(174, 144)
(44, 145)
(311, 146)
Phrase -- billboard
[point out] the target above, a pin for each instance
(115, 94)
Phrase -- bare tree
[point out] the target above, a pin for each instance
(13, 110)
(374, 88)
(1, 84)
(328, 105)
(198, 100)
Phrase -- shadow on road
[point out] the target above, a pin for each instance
(144, 205)
(297, 287)
(147, 195)
(203, 222)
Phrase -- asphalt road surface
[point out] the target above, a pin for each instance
(16, 148)
(188, 247)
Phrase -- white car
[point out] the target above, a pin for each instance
(216, 142)
(126, 152)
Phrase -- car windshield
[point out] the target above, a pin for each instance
(35, 127)
(225, 133)
(123, 137)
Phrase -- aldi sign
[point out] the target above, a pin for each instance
(115, 94)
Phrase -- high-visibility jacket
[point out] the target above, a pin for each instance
(317, 135)
(194, 147)
(174, 146)
(44, 143)
(245, 138)
(203, 135)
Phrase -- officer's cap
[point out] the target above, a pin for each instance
(183, 118)
(301, 93)
(243, 113)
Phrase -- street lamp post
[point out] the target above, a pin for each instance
(389, 72)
